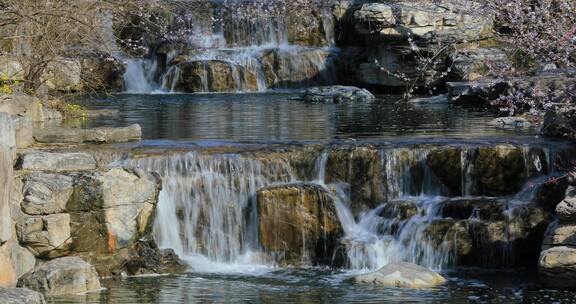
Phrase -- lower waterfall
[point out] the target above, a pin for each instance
(207, 210)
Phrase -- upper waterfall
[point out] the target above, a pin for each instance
(235, 50)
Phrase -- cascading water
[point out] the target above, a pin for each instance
(206, 210)
(387, 234)
(234, 53)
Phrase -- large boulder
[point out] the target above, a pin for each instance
(557, 267)
(298, 222)
(48, 161)
(96, 135)
(20, 296)
(68, 275)
(337, 94)
(402, 275)
(560, 234)
(111, 210)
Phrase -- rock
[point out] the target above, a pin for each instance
(51, 114)
(511, 123)
(294, 68)
(481, 209)
(7, 132)
(439, 99)
(102, 113)
(15, 261)
(23, 127)
(560, 122)
(23, 105)
(469, 64)
(96, 135)
(299, 223)
(566, 210)
(214, 76)
(560, 234)
(103, 73)
(499, 170)
(402, 275)
(557, 267)
(20, 296)
(400, 210)
(46, 236)
(446, 164)
(475, 92)
(6, 168)
(111, 210)
(46, 193)
(11, 67)
(63, 75)
(361, 168)
(68, 275)
(337, 94)
(46, 161)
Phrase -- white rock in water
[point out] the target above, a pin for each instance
(402, 275)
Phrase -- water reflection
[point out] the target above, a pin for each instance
(277, 117)
(317, 286)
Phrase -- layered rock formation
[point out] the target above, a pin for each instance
(557, 266)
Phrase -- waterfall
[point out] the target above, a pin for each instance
(257, 50)
(139, 76)
(206, 209)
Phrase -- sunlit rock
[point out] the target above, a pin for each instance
(68, 275)
(402, 275)
(298, 223)
(20, 296)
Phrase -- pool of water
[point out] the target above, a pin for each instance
(317, 286)
(268, 117)
(262, 119)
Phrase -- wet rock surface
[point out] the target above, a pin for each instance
(298, 222)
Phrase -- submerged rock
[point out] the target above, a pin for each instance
(338, 94)
(68, 275)
(298, 222)
(402, 275)
(20, 296)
